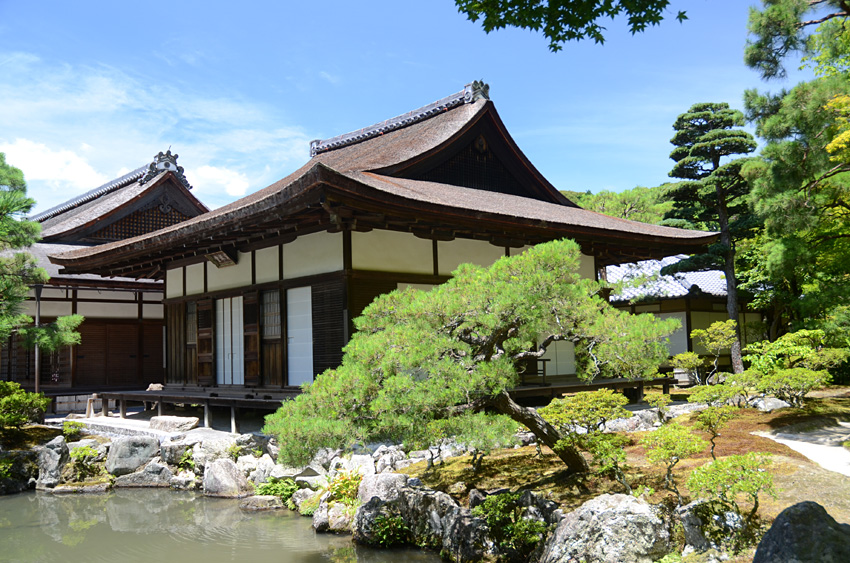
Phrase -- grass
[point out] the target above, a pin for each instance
(27, 437)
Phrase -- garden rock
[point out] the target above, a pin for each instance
(210, 450)
(22, 468)
(126, 455)
(608, 528)
(694, 525)
(172, 452)
(674, 411)
(340, 518)
(174, 423)
(467, 538)
(261, 502)
(52, 457)
(247, 464)
(476, 498)
(537, 508)
(388, 459)
(155, 474)
(265, 467)
(320, 515)
(769, 404)
(301, 495)
(183, 481)
(223, 479)
(638, 422)
(362, 463)
(384, 486)
(804, 533)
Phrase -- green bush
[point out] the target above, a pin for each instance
(309, 506)
(668, 445)
(729, 478)
(72, 430)
(390, 530)
(792, 384)
(344, 487)
(660, 402)
(187, 460)
(83, 463)
(283, 488)
(712, 420)
(18, 407)
(511, 531)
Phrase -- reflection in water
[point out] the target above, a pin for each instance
(131, 525)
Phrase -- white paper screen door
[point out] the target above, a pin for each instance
(299, 335)
(229, 358)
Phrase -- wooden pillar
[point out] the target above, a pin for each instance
(207, 414)
(122, 407)
(234, 427)
(159, 407)
(104, 406)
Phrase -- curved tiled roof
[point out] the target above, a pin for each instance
(712, 282)
(125, 180)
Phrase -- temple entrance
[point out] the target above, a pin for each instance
(299, 331)
(230, 357)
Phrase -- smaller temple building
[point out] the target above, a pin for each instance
(123, 332)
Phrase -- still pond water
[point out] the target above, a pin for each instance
(151, 525)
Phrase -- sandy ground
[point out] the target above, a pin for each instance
(823, 446)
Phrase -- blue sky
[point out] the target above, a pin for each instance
(90, 89)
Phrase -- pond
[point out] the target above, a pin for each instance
(149, 525)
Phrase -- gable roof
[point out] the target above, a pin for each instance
(429, 172)
(712, 282)
(162, 179)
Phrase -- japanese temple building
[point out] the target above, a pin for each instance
(262, 292)
(123, 332)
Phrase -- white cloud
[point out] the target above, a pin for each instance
(70, 127)
(214, 178)
(333, 79)
(57, 168)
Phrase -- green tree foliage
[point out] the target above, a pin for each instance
(802, 195)
(730, 478)
(717, 338)
(814, 28)
(18, 270)
(565, 21)
(83, 463)
(712, 420)
(19, 407)
(668, 445)
(689, 362)
(423, 356)
(513, 533)
(609, 455)
(647, 205)
(714, 193)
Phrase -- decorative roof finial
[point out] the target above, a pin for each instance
(475, 91)
(165, 162)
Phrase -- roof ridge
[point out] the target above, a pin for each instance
(161, 162)
(472, 92)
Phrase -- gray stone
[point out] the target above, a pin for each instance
(172, 452)
(340, 518)
(264, 470)
(174, 423)
(539, 508)
(693, 518)
(313, 483)
(320, 515)
(52, 457)
(261, 502)
(467, 538)
(476, 498)
(183, 481)
(325, 456)
(386, 462)
(769, 404)
(204, 453)
(805, 533)
(301, 495)
(22, 469)
(247, 464)
(126, 455)
(155, 474)
(361, 463)
(384, 486)
(608, 528)
(223, 479)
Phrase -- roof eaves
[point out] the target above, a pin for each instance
(472, 92)
(115, 184)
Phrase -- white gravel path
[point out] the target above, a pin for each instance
(822, 446)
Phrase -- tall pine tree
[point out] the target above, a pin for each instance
(714, 193)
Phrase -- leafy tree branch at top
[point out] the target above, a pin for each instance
(565, 21)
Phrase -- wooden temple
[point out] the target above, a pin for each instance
(261, 293)
(123, 332)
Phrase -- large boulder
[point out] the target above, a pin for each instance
(707, 524)
(155, 474)
(21, 471)
(385, 486)
(466, 538)
(261, 502)
(606, 529)
(223, 479)
(361, 463)
(52, 457)
(804, 533)
(126, 455)
(174, 423)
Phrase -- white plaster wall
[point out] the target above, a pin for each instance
(317, 253)
(195, 278)
(452, 254)
(108, 310)
(153, 296)
(230, 277)
(678, 341)
(518, 251)
(268, 264)
(653, 308)
(563, 358)
(48, 308)
(153, 311)
(48, 292)
(174, 283)
(112, 295)
(389, 251)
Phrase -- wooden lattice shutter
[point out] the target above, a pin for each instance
(251, 330)
(206, 340)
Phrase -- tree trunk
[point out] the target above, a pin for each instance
(545, 432)
(731, 285)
